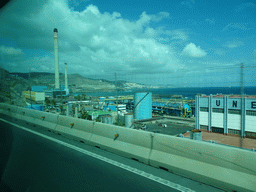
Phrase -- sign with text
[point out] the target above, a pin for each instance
(233, 103)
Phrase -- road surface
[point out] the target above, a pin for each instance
(37, 160)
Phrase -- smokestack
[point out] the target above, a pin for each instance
(66, 77)
(56, 59)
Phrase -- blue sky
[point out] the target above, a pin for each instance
(178, 43)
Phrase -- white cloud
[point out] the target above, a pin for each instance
(10, 57)
(232, 26)
(219, 51)
(194, 51)
(10, 51)
(89, 40)
(233, 44)
(246, 6)
(188, 3)
(177, 34)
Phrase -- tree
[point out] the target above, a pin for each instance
(78, 97)
(118, 122)
(61, 108)
(47, 101)
(83, 96)
(84, 115)
(98, 119)
(53, 102)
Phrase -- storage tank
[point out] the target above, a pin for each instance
(128, 120)
(143, 105)
(107, 119)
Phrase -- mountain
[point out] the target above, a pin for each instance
(78, 83)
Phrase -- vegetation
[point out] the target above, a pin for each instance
(98, 119)
(118, 122)
(78, 97)
(84, 115)
(83, 96)
(53, 102)
(47, 101)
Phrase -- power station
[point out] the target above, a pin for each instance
(56, 58)
(66, 80)
(58, 91)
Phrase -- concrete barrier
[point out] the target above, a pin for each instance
(231, 169)
(25, 114)
(9, 110)
(44, 119)
(78, 129)
(228, 168)
(134, 144)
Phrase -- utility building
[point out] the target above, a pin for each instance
(34, 96)
(226, 114)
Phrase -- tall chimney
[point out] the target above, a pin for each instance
(66, 77)
(56, 59)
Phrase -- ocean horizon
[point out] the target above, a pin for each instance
(186, 92)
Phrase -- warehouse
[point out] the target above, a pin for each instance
(34, 96)
(228, 114)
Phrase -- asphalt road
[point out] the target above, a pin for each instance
(42, 161)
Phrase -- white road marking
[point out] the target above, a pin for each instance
(110, 161)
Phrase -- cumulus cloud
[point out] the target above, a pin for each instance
(10, 51)
(90, 41)
(12, 56)
(194, 51)
(177, 34)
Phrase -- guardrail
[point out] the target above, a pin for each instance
(224, 167)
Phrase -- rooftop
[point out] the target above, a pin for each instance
(231, 96)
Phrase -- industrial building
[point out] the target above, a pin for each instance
(58, 89)
(39, 88)
(34, 96)
(226, 114)
(180, 107)
(114, 107)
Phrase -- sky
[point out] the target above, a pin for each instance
(190, 43)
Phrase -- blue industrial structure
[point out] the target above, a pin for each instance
(109, 107)
(35, 107)
(39, 88)
(102, 99)
(174, 108)
(142, 105)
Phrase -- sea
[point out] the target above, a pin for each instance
(189, 93)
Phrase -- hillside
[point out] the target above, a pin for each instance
(78, 83)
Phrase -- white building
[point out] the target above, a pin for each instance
(35, 96)
(227, 114)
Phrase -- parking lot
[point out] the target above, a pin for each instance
(173, 127)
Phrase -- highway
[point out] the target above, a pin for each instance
(33, 159)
